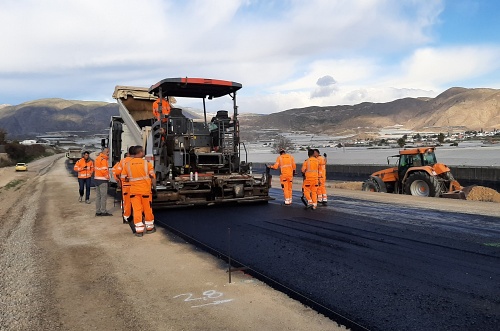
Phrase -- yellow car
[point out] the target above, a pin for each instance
(21, 167)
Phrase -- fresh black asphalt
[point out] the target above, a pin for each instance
(382, 266)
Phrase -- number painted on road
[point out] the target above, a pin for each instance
(206, 296)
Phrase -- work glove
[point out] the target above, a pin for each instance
(324, 154)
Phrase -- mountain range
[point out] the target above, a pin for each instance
(455, 109)
(38, 117)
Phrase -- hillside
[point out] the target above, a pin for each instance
(471, 109)
(48, 115)
(459, 108)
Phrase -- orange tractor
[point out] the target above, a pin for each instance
(417, 173)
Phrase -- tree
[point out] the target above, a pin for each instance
(440, 138)
(283, 142)
(417, 137)
(401, 142)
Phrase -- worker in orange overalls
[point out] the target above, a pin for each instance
(322, 196)
(85, 168)
(287, 166)
(310, 170)
(165, 109)
(141, 176)
(125, 186)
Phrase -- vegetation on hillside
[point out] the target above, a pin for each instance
(20, 153)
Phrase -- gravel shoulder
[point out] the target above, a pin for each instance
(63, 268)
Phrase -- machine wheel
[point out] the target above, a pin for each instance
(423, 185)
(374, 184)
(369, 186)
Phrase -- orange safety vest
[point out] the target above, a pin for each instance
(101, 167)
(138, 173)
(118, 169)
(322, 166)
(84, 168)
(286, 162)
(165, 108)
(311, 168)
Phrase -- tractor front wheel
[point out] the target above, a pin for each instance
(423, 185)
(370, 186)
(374, 184)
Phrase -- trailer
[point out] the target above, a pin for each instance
(196, 161)
(74, 154)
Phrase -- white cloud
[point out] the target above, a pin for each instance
(277, 49)
(435, 67)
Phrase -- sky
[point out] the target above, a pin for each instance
(286, 54)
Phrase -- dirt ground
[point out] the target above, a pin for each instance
(62, 268)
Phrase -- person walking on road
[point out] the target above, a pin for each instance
(85, 168)
(322, 196)
(287, 166)
(125, 186)
(101, 179)
(310, 170)
(141, 176)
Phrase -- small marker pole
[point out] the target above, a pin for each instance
(229, 252)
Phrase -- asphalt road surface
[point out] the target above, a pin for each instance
(382, 266)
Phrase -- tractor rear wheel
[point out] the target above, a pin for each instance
(423, 185)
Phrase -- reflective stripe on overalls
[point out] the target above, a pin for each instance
(135, 179)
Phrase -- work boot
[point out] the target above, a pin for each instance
(139, 234)
(125, 220)
(80, 199)
(309, 206)
(106, 214)
(87, 201)
(324, 202)
(98, 214)
(153, 230)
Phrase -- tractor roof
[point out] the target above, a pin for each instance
(194, 87)
(415, 151)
